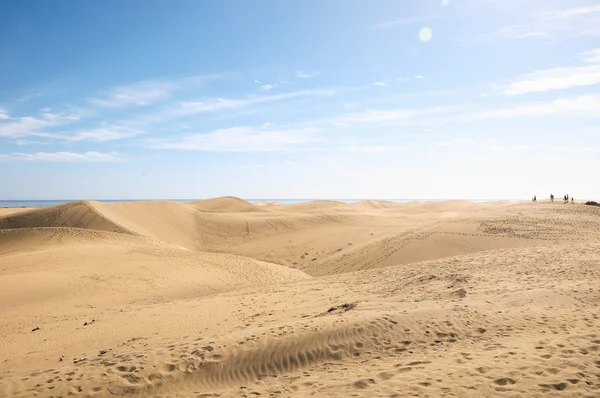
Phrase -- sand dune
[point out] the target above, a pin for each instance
(212, 298)
(226, 204)
(75, 214)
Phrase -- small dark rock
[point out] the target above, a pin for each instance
(35, 329)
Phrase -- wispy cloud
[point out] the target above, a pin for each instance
(556, 78)
(574, 12)
(104, 134)
(147, 92)
(193, 107)
(554, 25)
(581, 106)
(242, 139)
(32, 126)
(28, 97)
(591, 56)
(3, 114)
(380, 84)
(61, 157)
(403, 21)
(374, 116)
(300, 74)
(553, 79)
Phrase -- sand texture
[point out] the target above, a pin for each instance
(224, 298)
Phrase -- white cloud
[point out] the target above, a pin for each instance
(4, 114)
(31, 126)
(403, 21)
(521, 32)
(193, 107)
(136, 94)
(266, 87)
(60, 157)
(553, 79)
(555, 25)
(402, 79)
(300, 74)
(30, 97)
(581, 106)
(146, 93)
(591, 56)
(379, 116)
(105, 134)
(380, 84)
(242, 139)
(575, 12)
(419, 77)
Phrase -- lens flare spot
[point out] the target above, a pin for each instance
(445, 2)
(425, 34)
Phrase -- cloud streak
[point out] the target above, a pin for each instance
(591, 56)
(147, 92)
(581, 106)
(553, 79)
(219, 104)
(60, 157)
(374, 116)
(242, 139)
(104, 134)
(300, 74)
(554, 25)
(561, 78)
(575, 12)
(32, 126)
(402, 22)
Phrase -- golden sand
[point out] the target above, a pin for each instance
(225, 298)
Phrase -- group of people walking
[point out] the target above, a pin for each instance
(565, 198)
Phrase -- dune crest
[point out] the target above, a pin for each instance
(226, 204)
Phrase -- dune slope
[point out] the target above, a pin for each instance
(510, 321)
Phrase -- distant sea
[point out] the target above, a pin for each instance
(42, 203)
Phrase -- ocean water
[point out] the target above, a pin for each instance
(41, 203)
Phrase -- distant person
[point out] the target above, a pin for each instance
(572, 200)
(551, 198)
(534, 199)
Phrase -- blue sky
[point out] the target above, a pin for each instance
(299, 99)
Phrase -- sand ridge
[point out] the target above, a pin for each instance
(373, 298)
